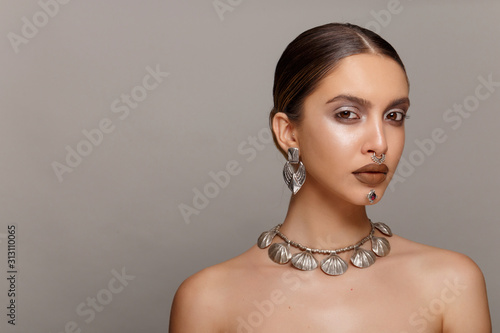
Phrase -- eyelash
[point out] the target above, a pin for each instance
(346, 111)
(341, 112)
(403, 116)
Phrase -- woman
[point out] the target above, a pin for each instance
(340, 103)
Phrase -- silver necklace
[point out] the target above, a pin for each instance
(333, 264)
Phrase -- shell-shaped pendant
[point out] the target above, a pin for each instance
(380, 246)
(304, 261)
(266, 238)
(362, 258)
(333, 265)
(383, 228)
(280, 253)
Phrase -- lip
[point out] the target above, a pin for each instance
(372, 174)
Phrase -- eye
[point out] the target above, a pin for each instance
(397, 116)
(346, 114)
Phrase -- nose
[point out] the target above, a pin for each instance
(375, 139)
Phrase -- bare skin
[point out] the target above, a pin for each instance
(357, 110)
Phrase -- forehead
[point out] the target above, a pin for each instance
(373, 77)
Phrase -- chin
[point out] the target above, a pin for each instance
(362, 197)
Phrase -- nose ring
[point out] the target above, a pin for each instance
(378, 160)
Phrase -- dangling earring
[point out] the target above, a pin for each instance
(294, 179)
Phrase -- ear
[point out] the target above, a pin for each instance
(284, 131)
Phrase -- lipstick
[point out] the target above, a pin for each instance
(371, 174)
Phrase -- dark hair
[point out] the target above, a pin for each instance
(311, 56)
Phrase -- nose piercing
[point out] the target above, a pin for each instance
(378, 160)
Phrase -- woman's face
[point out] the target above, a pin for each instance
(358, 109)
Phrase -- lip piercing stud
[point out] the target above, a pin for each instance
(371, 196)
(378, 160)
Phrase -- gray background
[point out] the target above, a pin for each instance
(119, 208)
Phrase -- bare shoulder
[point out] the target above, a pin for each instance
(450, 281)
(436, 262)
(201, 301)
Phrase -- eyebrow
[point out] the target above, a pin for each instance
(364, 102)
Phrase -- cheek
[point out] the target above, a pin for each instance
(397, 143)
(330, 142)
(344, 138)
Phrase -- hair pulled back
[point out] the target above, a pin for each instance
(311, 56)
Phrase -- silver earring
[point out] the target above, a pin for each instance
(377, 159)
(294, 179)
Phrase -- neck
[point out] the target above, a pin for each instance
(318, 221)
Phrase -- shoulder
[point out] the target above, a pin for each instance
(200, 297)
(451, 282)
(204, 296)
(436, 263)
